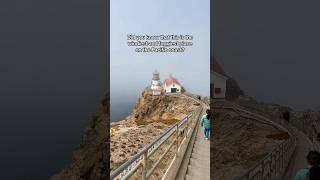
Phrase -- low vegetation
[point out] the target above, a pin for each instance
(169, 121)
(141, 122)
(279, 136)
(117, 164)
(258, 157)
(114, 126)
(216, 115)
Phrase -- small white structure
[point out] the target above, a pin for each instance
(218, 80)
(172, 85)
(156, 84)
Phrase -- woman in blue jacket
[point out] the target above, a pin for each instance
(313, 171)
(205, 123)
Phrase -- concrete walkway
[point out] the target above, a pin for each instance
(298, 160)
(199, 164)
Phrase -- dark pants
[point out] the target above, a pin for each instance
(206, 132)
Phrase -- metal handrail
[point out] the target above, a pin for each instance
(312, 134)
(127, 169)
(275, 163)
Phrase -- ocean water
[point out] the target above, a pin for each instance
(120, 108)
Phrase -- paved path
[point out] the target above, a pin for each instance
(298, 160)
(199, 164)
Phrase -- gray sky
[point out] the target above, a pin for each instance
(271, 48)
(131, 72)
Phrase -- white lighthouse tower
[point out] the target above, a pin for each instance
(156, 84)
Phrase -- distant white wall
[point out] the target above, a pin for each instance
(173, 85)
(219, 81)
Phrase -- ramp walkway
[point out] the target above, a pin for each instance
(298, 160)
(199, 163)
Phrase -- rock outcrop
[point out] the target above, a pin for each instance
(91, 158)
(307, 121)
(149, 119)
(238, 143)
(166, 108)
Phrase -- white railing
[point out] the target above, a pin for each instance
(178, 132)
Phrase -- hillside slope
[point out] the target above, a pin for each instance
(91, 158)
(161, 108)
(238, 143)
(149, 119)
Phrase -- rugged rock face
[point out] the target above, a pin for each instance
(166, 108)
(302, 120)
(125, 144)
(149, 119)
(91, 158)
(239, 143)
(274, 110)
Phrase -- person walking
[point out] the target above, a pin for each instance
(313, 171)
(205, 123)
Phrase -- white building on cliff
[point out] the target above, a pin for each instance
(172, 85)
(218, 80)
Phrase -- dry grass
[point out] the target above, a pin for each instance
(258, 157)
(169, 121)
(117, 164)
(279, 136)
(114, 126)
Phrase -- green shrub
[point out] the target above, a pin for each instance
(169, 121)
(216, 115)
(141, 122)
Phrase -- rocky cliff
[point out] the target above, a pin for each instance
(238, 143)
(303, 120)
(91, 158)
(149, 119)
(166, 108)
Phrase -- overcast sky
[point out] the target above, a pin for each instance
(131, 72)
(271, 48)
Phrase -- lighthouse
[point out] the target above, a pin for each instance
(156, 84)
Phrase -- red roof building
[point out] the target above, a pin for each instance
(172, 85)
(171, 80)
(218, 80)
(214, 65)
